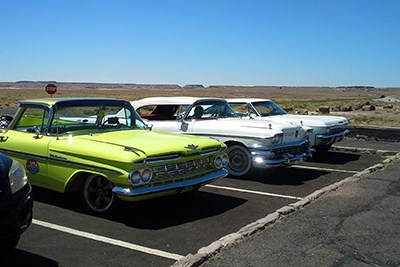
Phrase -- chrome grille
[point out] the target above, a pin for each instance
(294, 150)
(336, 130)
(174, 172)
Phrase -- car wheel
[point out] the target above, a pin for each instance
(98, 196)
(239, 160)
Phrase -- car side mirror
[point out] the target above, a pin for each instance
(184, 126)
(36, 130)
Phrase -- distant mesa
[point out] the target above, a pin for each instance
(36, 82)
(193, 86)
(356, 87)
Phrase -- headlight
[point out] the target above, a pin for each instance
(146, 175)
(328, 130)
(135, 177)
(225, 160)
(141, 176)
(17, 176)
(221, 161)
(277, 139)
(218, 162)
(307, 134)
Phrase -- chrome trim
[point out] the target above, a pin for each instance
(132, 192)
(286, 159)
(323, 136)
(210, 151)
(61, 160)
(279, 155)
(164, 158)
(275, 147)
(176, 157)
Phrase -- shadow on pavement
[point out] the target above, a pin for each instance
(334, 157)
(22, 258)
(152, 214)
(281, 176)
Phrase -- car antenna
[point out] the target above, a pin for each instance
(57, 136)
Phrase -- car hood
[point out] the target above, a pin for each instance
(310, 120)
(133, 144)
(247, 128)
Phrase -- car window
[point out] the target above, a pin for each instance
(32, 117)
(242, 109)
(162, 112)
(268, 108)
(210, 110)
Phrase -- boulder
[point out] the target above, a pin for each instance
(346, 108)
(302, 112)
(323, 110)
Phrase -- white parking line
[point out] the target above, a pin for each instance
(252, 192)
(107, 240)
(320, 169)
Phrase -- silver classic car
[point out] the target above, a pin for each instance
(250, 142)
(326, 129)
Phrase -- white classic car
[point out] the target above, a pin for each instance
(326, 129)
(250, 142)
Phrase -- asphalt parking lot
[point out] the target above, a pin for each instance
(159, 232)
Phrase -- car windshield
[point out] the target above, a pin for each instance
(210, 110)
(268, 108)
(94, 118)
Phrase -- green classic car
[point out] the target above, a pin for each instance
(101, 147)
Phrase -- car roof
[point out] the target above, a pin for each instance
(53, 101)
(246, 100)
(169, 100)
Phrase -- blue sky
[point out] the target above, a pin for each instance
(209, 42)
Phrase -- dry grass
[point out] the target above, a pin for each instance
(298, 98)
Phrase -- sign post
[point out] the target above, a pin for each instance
(51, 89)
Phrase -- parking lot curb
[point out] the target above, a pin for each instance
(370, 132)
(205, 253)
(364, 150)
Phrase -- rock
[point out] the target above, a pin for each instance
(323, 110)
(368, 108)
(357, 107)
(346, 108)
(302, 112)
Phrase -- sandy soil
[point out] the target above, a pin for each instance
(382, 98)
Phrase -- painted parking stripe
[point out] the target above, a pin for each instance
(252, 192)
(107, 240)
(320, 169)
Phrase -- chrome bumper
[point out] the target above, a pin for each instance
(265, 157)
(323, 139)
(133, 192)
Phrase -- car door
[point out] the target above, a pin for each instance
(165, 117)
(26, 142)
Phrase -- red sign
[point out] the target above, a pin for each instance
(51, 89)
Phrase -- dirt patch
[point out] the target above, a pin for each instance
(295, 98)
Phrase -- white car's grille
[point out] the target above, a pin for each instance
(294, 150)
(336, 130)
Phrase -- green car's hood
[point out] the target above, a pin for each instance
(134, 144)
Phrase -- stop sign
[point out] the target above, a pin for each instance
(51, 89)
